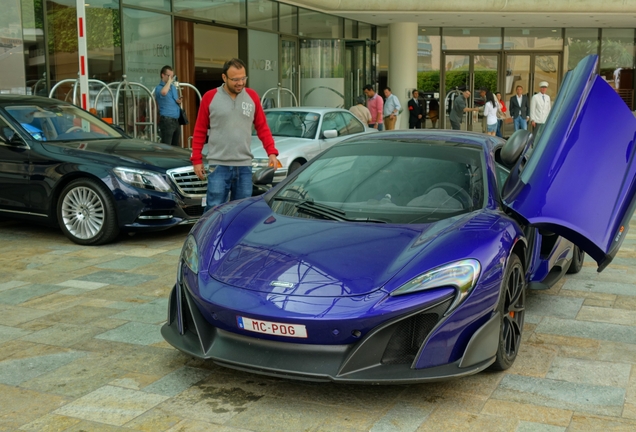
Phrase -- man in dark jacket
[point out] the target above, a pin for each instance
(417, 111)
(519, 109)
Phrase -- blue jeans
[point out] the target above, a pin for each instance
(521, 123)
(499, 126)
(235, 181)
(380, 126)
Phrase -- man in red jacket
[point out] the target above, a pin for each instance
(225, 122)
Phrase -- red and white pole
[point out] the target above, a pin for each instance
(83, 53)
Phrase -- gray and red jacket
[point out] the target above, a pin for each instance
(229, 123)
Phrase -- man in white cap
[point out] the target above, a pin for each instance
(540, 106)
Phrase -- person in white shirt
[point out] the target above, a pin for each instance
(392, 108)
(540, 106)
(490, 111)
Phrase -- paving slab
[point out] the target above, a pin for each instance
(80, 350)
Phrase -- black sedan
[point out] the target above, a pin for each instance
(62, 165)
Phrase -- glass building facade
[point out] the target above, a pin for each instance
(320, 59)
(136, 38)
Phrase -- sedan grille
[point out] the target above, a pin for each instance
(187, 182)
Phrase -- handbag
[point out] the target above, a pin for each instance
(183, 118)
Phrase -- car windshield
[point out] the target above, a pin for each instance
(60, 123)
(390, 181)
(297, 124)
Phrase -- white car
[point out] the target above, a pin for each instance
(301, 133)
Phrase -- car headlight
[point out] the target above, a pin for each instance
(259, 163)
(462, 275)
(190, 254)
(143, 179)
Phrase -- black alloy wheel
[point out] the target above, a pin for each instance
(511, 308)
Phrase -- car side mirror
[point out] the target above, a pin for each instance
(9, 136)
(120, 130)
(514, 147)
(263, 176)
(331, 133)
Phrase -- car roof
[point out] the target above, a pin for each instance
(318, 110)
(28, 100)
(442, 135)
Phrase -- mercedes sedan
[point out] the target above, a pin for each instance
(303, 132)
(61, 165)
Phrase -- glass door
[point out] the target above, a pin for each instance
(528, 70)
(468, 72)
(355, 67)
(289, 70)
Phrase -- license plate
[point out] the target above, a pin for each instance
(272, 328)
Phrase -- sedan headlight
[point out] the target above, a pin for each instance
(462, 275)
(190, 254)
(143, 179)
(260, 163)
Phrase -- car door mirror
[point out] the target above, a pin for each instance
(331, 133)
(263, 176)
(120, 130)
(9, 136)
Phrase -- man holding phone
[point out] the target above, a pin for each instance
(168, 102)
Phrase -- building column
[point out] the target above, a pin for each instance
(402, 76)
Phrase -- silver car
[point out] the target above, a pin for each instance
(303, 132)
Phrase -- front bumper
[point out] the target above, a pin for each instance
(373, 360)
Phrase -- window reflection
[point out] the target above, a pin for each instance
(533, 39)
(288, 18)
(471, 39)
(262, 14)
(617, 62)
(228, 11)
(11, 49)
(103, 39)
(320, 25)
(579, 43)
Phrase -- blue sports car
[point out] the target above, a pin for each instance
(405, 256)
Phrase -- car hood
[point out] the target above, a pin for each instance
(267, 252)
(283, 145)
(133, 152)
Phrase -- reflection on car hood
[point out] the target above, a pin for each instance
(268, 252)
(283, 144)
(132, 151)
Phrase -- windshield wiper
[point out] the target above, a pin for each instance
(310, 206)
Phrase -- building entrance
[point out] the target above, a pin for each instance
(528, 70)
(200, 52)
(468, 71)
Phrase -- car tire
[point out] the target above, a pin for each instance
(511, 308)
(578, 256)
(86, 213)
(294, 166)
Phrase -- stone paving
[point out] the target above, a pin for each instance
(80, 350)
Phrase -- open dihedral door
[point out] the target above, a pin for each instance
(578, 177)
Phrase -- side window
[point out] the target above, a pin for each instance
(353, 124)
(502, 175)
(6, 132)
(333, 121)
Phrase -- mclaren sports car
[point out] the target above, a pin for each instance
(405, 256)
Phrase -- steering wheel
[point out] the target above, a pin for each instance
(467, 200)
(74, 129)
